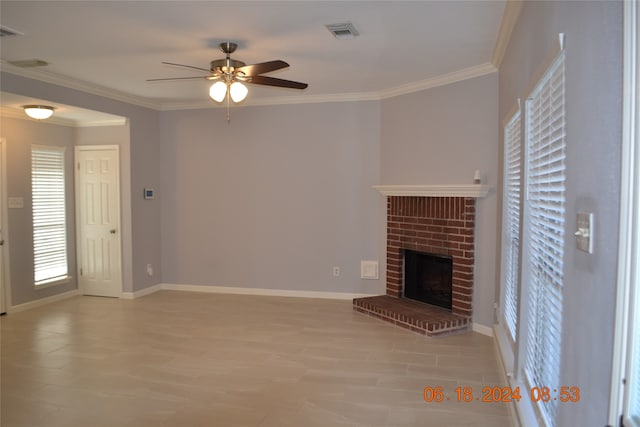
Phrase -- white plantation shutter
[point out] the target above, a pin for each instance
(511, 223)
(49, 217)
(545, 215)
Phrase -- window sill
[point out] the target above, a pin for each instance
(54, 282)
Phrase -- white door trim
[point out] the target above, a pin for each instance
(6, 288)
(78, 149)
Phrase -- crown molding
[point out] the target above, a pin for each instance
(442, 80)
(445, 79)
(510, 17)
(71, 83)
(280, 100)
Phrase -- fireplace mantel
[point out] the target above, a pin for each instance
(471, 190)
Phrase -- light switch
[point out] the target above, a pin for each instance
(15, 202)
(584, 233)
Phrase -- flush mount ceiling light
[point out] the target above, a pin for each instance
(38, 112)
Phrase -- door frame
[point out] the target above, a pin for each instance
(77, 149)
(5, 285)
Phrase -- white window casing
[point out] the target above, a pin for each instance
(510, 270)
(49, 215)
(625, 385)
(543, 238)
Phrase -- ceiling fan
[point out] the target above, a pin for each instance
(231, 73)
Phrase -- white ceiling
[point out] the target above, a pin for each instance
(115, 46)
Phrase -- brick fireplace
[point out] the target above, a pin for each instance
(436, 224)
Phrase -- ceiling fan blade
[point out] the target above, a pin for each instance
(263, 67)
(271, 81)
(179, 78)
(187, 66)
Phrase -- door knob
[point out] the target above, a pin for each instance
(112, 231)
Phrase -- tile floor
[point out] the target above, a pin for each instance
(189, 359)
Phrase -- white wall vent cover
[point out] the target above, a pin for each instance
(368, 269)
(344, 30)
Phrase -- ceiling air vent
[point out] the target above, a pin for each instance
(8, 32)
(343, 31)
(29, 63)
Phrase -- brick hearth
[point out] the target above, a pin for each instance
(438, 225)
(419, 317)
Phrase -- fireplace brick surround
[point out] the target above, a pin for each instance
(438, 225)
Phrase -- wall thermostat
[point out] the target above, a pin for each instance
(148, 193)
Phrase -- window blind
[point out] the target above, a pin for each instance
(545, 213)
(49, 216)
(511, 223)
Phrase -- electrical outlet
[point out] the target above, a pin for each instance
(336, 271)
(149, 270)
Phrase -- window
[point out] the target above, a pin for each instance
(49, 215)
(530, 332)
(511, 224)
(544, 232)
(630, 224)
(625, 385)
(632, 407)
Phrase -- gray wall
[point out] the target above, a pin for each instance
(593, 105)
(442, 136)
(282, 194)
(274, 199)
(21, 135)
(144, 229)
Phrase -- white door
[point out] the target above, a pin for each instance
(98, 220)
(3, 302)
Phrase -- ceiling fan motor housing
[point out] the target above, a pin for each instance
(232, 70)
(218, 64)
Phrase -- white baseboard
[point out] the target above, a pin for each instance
(43, 301)
(481, 329)
(141, 292)
(261, 291)
(197, 288)
(506, 371)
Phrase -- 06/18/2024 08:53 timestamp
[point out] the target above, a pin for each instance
(495, 394)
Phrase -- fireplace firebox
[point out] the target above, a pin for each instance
(428, 278)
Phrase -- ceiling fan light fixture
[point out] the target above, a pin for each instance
(218, 91)
(238, 92)
(38, 112)
(230, 76)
